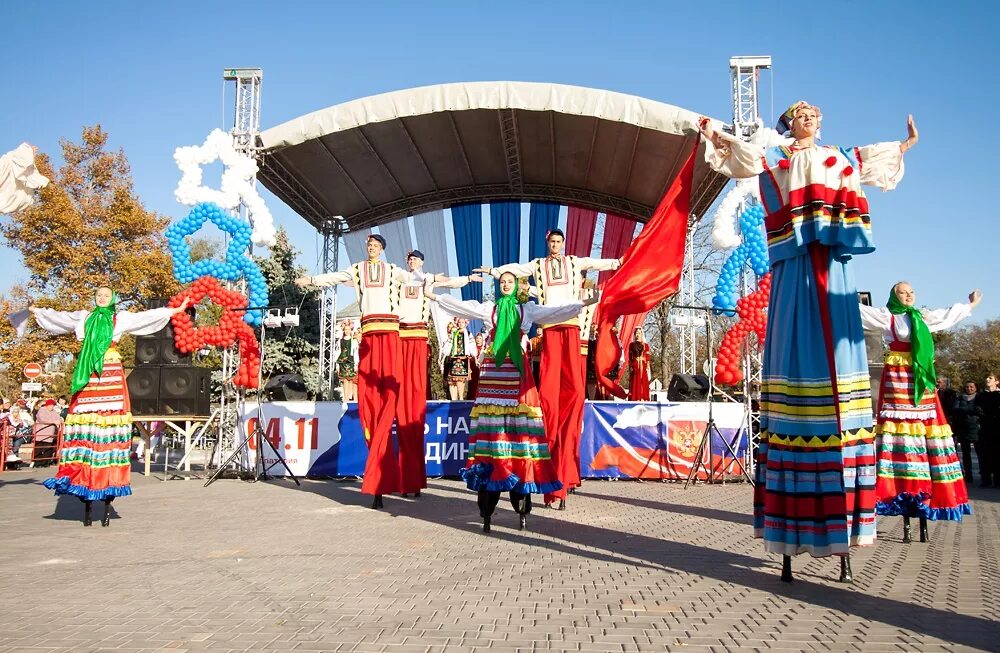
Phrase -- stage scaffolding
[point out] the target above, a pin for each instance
(332, 229)
(745, 73)
(246, 126)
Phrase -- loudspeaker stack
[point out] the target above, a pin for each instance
(164, 382)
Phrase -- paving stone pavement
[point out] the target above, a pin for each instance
(628, 567)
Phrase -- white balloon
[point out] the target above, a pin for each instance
(724, 229)
(237, 182)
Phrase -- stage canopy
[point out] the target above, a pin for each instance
(384, 157)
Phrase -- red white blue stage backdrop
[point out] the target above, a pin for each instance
(620, 440)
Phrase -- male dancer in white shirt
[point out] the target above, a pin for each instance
(414, 312)
(378, 286)
(559, 279)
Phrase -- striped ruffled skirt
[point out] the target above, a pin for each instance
(508, 450)
(94, 459)
(919, 473)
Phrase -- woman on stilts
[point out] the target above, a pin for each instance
(919, 472)
(508, 449)
(815, 490)
(94, 460)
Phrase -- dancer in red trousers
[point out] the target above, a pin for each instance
(559, 279)
(378, 285)
(411, 413)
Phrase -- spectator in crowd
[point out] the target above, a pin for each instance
(20, 423)
(63, 405)
(965, 425)
(946, 395)
(48, 427)
(988, 446)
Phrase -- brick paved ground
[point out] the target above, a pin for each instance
(630, 567)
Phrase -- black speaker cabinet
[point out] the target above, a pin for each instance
(287, 387)
(688, 387)
(158, 348)
(170, 390)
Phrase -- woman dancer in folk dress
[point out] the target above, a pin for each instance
(638, 365)
(94, 460)
(508, 449)
(919, 473)
(815, 489)
(347, 362)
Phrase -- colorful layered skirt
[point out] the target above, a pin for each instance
(508, 450)
(94, 459)
(919, 472)
(815, 475)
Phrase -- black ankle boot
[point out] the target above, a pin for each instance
(906, 530)
(562, 504)
(845, 570)
(924, 537)
(87, 506)
(786, 569)
(377, 503)
(106, 520)
(486, 524)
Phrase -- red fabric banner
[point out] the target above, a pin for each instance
(580, 226)
(618, 232)
(650, 270)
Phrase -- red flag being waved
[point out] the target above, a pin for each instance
(650, 271)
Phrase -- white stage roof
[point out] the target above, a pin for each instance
(384, 157)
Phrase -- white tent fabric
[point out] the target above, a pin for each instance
(528, 96)
(432, 241)
(399, 242)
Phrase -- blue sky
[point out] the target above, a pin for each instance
(150, 73)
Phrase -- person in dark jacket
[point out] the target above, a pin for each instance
(988, 445)
(965, 416)
(946, 395)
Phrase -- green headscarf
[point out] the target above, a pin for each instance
(922, 346)
(507, 333)
(98, 331)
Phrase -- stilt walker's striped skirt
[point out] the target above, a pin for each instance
(815, 489)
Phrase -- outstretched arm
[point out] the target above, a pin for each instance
(469, 309)
(517, 269)
(875, 320)
(329, 279)
(729, 155)
(945, 318)
(602, 264)
(538, 314)
(145, 323)
(57, 322)
(19, 178)
(441, 281)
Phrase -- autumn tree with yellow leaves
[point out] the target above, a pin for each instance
(87, 229)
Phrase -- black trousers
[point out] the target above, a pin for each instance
(488, 503)
(987, 454)
(965, 453)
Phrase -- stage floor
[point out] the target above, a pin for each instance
(631, 566)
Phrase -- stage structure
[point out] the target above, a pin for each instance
(746, 120)
(371, 161)
(246, 126)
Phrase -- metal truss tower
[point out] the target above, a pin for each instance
(333, 229)
(246, 126)
(688, 321)
(746, 108)
(746, 119)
